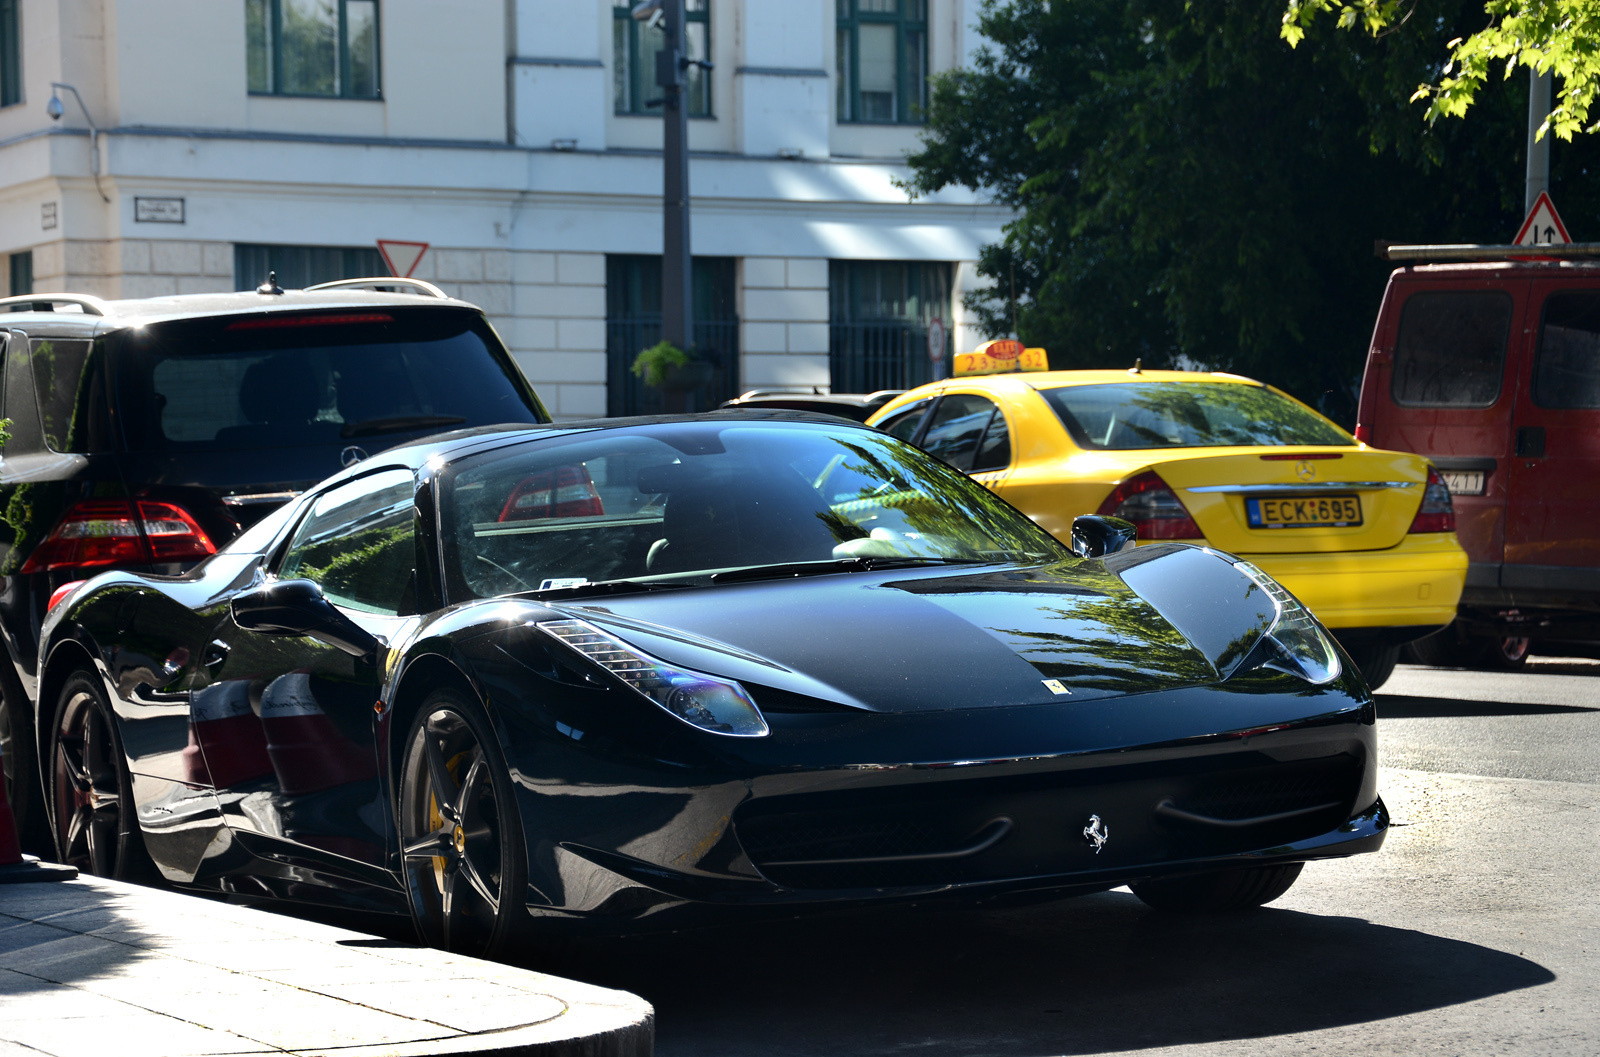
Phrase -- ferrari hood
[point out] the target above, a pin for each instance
(1155, 618)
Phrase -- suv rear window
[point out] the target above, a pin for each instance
(1186, 415)
(1451, 349)
(282, 380)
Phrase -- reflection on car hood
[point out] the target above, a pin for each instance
(930, 640)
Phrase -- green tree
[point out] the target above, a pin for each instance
(1552, 36)
(1188, 189)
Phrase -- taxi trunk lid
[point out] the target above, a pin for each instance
(1298, 499)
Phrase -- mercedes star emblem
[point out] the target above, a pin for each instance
(352, 455)
(1305, 470)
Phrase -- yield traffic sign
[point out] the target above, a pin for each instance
(402, 257)
(1543, 226)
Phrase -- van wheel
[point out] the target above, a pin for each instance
(1375, 662)
(1504, 651)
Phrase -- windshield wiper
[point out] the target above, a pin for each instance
(837, 565)
(398, 424)
(609, 587)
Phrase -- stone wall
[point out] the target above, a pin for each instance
(783, 308)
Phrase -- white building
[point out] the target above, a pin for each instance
(516, 138)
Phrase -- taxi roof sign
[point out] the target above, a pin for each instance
(1001, 356)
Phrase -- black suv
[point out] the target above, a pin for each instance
(147, 433)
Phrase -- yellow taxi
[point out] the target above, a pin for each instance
(1363, 536)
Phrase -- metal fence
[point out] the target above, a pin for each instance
(866, 357)
(716, 342)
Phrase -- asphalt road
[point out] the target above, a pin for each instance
(1474, 931)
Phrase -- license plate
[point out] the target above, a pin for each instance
(1463, 482)
(1336, 511)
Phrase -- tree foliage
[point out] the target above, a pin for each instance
(1552, 36)
(1189, 189)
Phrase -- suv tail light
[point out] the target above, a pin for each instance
(103, 532)
(565, 492)
(1154, 509)
(1437, 513)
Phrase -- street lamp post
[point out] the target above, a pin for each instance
(672, 66)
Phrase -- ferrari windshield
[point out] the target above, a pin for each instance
(678, 503)
(1186, 415)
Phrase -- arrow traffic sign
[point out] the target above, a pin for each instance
(1543, 226)
(402, 257)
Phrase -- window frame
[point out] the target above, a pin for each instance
(1498, 293)
(634, 27)
(342, 48)
(10, 52)
(909, 97)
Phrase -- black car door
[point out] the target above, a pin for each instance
(301, 782)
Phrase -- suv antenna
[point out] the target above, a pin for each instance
(271, 285)
(1137, 361)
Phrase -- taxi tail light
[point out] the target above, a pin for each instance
(568, 491)
(1155, 509)
(105, 532)
(1438, 512)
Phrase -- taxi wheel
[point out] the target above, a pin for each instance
(1219, 892)
(1376, 663)
(464, 867)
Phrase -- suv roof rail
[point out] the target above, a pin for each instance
(1470, 252)
(91, 305)
(382, 280)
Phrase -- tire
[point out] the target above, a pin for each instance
(1442, 649)
(1219, 892)
(92, 814)
(1376, 663)
(23, 790)
(463, 862)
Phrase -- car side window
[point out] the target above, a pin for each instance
(70, 389)
(1451, 348)
(994, 453)
(957, 429)
(1567, 371)
(359, 545)
(904, 423)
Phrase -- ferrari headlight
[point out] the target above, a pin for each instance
(704, 701)
(1298, 644)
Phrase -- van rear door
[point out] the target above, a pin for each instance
(1553, 523)
(1442, 381)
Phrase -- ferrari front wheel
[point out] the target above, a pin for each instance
(91, 796)
(1219, 891)
(463, 864)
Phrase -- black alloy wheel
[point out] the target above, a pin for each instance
(463, 863)
(1219, 891)
(92, 808)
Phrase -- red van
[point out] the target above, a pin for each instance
(1492, 370)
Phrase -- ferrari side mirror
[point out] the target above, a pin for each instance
(1094, 536)
(298, 607)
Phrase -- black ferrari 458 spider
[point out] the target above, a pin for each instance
(624, 669)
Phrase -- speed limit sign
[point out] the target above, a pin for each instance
(936, 340)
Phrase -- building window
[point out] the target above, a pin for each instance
(298, 267)
(633, 324)
(312, 47)
(882, 61)
(633, 68)
(879, 314)
(22, 273)
(10, 53)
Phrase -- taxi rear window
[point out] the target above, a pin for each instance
(1126, 416)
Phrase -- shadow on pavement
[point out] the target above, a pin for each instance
(1098, 974)
(1403, 706)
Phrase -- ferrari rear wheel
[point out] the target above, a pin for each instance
(1221, 891)
(463, 863)
(92, 811)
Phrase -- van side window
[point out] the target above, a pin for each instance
(1452, 349)
(1567, 371)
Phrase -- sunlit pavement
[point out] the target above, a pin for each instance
(1475, 930)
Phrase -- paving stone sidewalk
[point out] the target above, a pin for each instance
(92, 967)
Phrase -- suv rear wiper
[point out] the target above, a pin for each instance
(836, 565)
(398, 424)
